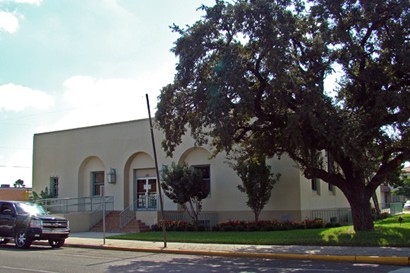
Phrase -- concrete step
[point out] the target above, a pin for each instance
(112, 224)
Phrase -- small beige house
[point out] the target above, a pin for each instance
(15, 194)
(74, 164)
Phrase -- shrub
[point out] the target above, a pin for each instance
(174, 226)
(201, 228)
(316, 223)
(385, 215)
(189, 227)
(154, 227)
(228, 228)
(269, 227)
(292, 225)
(179, 228)
(272, 225)
(332, 224)
(253, 227)
(240, 228)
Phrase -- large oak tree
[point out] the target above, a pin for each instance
(251, 76)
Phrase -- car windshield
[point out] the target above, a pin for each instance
(32, 209)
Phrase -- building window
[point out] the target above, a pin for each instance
(315, 185)
(97, 181)
(330, 162)
(332, 188)
(206, 177)
(53, 187)
(330, 169)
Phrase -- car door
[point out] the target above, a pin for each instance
(7, 219)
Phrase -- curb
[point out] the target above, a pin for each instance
(385, 260)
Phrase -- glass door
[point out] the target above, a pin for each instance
(146, 193)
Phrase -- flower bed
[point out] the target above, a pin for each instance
(176, 226)
(257, 226)
(236, 225)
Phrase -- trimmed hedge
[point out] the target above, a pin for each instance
(177, 226)
(246, 225)
(265, 225)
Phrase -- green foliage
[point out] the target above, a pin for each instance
(183, 185)
(251, 76)
(266, 225)
(19, 183)
(257, 182)
(174, 226)
(404, 186)
(43, 195)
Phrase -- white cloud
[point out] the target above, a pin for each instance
(84, 91)
(32, 2)
(104, 100)
(17, 98)
(97, 101)
(8, 22)
(17, 166)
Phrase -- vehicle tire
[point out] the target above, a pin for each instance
(56, 243)
(4, 241)
(22, 241)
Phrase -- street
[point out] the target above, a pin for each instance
(43, 259)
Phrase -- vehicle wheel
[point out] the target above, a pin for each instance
(56, 243)
(4, 241)
(22, 241)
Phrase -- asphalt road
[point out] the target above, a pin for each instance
(43, 259)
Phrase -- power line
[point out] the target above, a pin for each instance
(15, 148)
(15, 166)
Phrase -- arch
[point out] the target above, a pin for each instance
(137, 161)
(89, 165)
(200, 158)
(195, 156)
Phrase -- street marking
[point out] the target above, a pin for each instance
(27, 269)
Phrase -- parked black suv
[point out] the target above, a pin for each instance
(25, 222)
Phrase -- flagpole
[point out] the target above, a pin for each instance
(158, 177)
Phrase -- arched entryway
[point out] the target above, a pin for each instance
(199, 158)
(140, 189)
(91, 177)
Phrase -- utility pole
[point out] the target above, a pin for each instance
(102, 194)
(158, 178)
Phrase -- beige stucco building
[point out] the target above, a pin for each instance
(75, 163)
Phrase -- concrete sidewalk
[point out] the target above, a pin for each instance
(376, 255)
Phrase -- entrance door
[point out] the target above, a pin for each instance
(146, 193)
(7, 219)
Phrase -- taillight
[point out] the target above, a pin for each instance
(36, 223)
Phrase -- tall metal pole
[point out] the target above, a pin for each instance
(102, 194)
(158, 178)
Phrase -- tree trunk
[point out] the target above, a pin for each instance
(359, 201)
(193, 213)
(256, 213)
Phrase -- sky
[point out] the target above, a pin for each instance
(74, 63)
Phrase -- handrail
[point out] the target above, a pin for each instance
(127, 215)
(81, 204)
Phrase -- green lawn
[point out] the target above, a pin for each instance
(388, 232)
